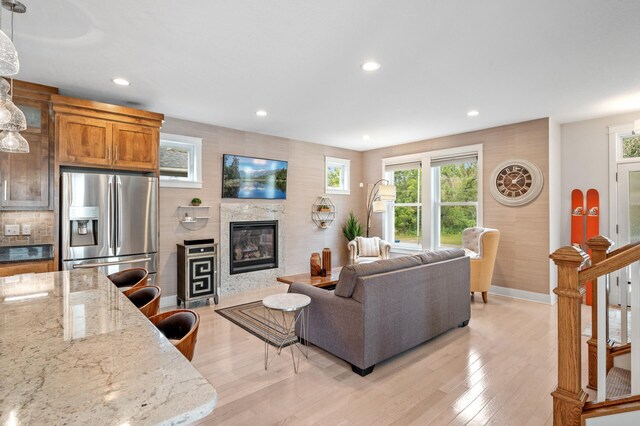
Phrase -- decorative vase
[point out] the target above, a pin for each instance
(326, 259)
(315, 265)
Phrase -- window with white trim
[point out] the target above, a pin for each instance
(455, 198)
(337, 175)
(180, 161)
(438, 195)
(406, 212)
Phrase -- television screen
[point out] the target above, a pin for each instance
(246, 177)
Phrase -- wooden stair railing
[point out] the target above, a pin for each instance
(569, 398)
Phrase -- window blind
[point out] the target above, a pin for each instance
(403, 166)
(454, 159)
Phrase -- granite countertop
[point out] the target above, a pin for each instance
(12, 254)
(74, 350)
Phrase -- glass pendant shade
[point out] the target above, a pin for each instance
(9, 64)
(11, 141)
(5, 114)
(18, 121)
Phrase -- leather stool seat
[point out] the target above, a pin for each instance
(180, 327)
(147, 299)
(129, 279)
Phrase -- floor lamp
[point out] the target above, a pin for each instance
(381, 193)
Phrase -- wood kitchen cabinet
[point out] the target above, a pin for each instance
(36, 267)
(26, 180)
(95, 134)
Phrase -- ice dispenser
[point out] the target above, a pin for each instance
(84, 226)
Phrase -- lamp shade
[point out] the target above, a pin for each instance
(9, 64)
(18, 121)
(387, 193)
(11, 141)
(379, 207)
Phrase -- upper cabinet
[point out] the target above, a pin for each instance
(94, 134)
(26, 180)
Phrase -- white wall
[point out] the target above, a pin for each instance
(585, 165)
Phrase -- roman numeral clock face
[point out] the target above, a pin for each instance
(516, 182)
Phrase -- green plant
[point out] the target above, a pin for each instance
(196, 201)
(352, 227)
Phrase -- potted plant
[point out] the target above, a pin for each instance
(196, 202)
(352, 227)
(324, 208)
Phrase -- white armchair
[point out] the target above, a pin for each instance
(363, 250)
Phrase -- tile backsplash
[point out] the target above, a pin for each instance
(41, 222)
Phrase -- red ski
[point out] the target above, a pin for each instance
(593, 226)
(577, 218)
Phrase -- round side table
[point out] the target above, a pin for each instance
(278, 305)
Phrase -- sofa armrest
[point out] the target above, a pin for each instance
(385, 249)
(336, 324)
(353, 252)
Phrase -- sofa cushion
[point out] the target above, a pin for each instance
(368, 247)
(349, 274)
(440, 255)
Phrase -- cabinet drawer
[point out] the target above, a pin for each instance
(8, 269)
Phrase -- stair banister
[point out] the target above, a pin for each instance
(611, 264)
(635, 327)
(599, 247)
(569, 397)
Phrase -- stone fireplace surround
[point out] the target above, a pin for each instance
(239, 212)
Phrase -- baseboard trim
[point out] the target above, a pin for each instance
(514, 293)
(167, 301)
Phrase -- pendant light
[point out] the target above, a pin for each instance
(10, 138)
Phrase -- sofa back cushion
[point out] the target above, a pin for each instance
(368, 247)
(440, 255)
(349, 274)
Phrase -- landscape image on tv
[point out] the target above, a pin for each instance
(246, 177)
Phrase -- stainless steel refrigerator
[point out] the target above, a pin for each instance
(109, 221)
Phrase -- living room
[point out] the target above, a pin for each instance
(530, 102)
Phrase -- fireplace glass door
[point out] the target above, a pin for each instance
(254, 246)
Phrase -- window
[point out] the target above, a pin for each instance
(180, 161)
(438, 195)
(406, 214)
(631, 146)
(455, 199)
(337, 172)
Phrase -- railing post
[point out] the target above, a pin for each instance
(569, 397)
(599, 247)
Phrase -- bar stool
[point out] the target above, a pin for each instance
(147, 299)
(129, 279)
(180, 326)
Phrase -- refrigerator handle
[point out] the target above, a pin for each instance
(109, 208)
(117, 210)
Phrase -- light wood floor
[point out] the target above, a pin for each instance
(499, 370)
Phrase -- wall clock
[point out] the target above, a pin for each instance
(516, 182)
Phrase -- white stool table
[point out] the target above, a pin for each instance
(284, 303)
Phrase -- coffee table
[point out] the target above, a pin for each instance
(306, 278)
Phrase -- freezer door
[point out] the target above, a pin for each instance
(86, 199)
(136, 215)
(110, 265)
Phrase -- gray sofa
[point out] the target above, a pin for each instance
(380, 309)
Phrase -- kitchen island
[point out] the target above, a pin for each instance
(74, 350)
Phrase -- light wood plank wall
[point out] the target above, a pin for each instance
(522, 260)
(305, 182)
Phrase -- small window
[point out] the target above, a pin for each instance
(337, 171)
(631, 147)
(180, 161)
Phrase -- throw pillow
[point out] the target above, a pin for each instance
(368, 247)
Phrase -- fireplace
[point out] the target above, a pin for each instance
(253, 246)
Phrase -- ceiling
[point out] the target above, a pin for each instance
(219, 61)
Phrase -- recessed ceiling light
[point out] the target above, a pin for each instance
(121, 81)
(371, 66)
(261, 113)
(473, 113)
(366, 137)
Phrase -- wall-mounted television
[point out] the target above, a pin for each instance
(247, 177)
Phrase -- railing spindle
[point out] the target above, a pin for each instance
(635, 327)
(601, 325)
